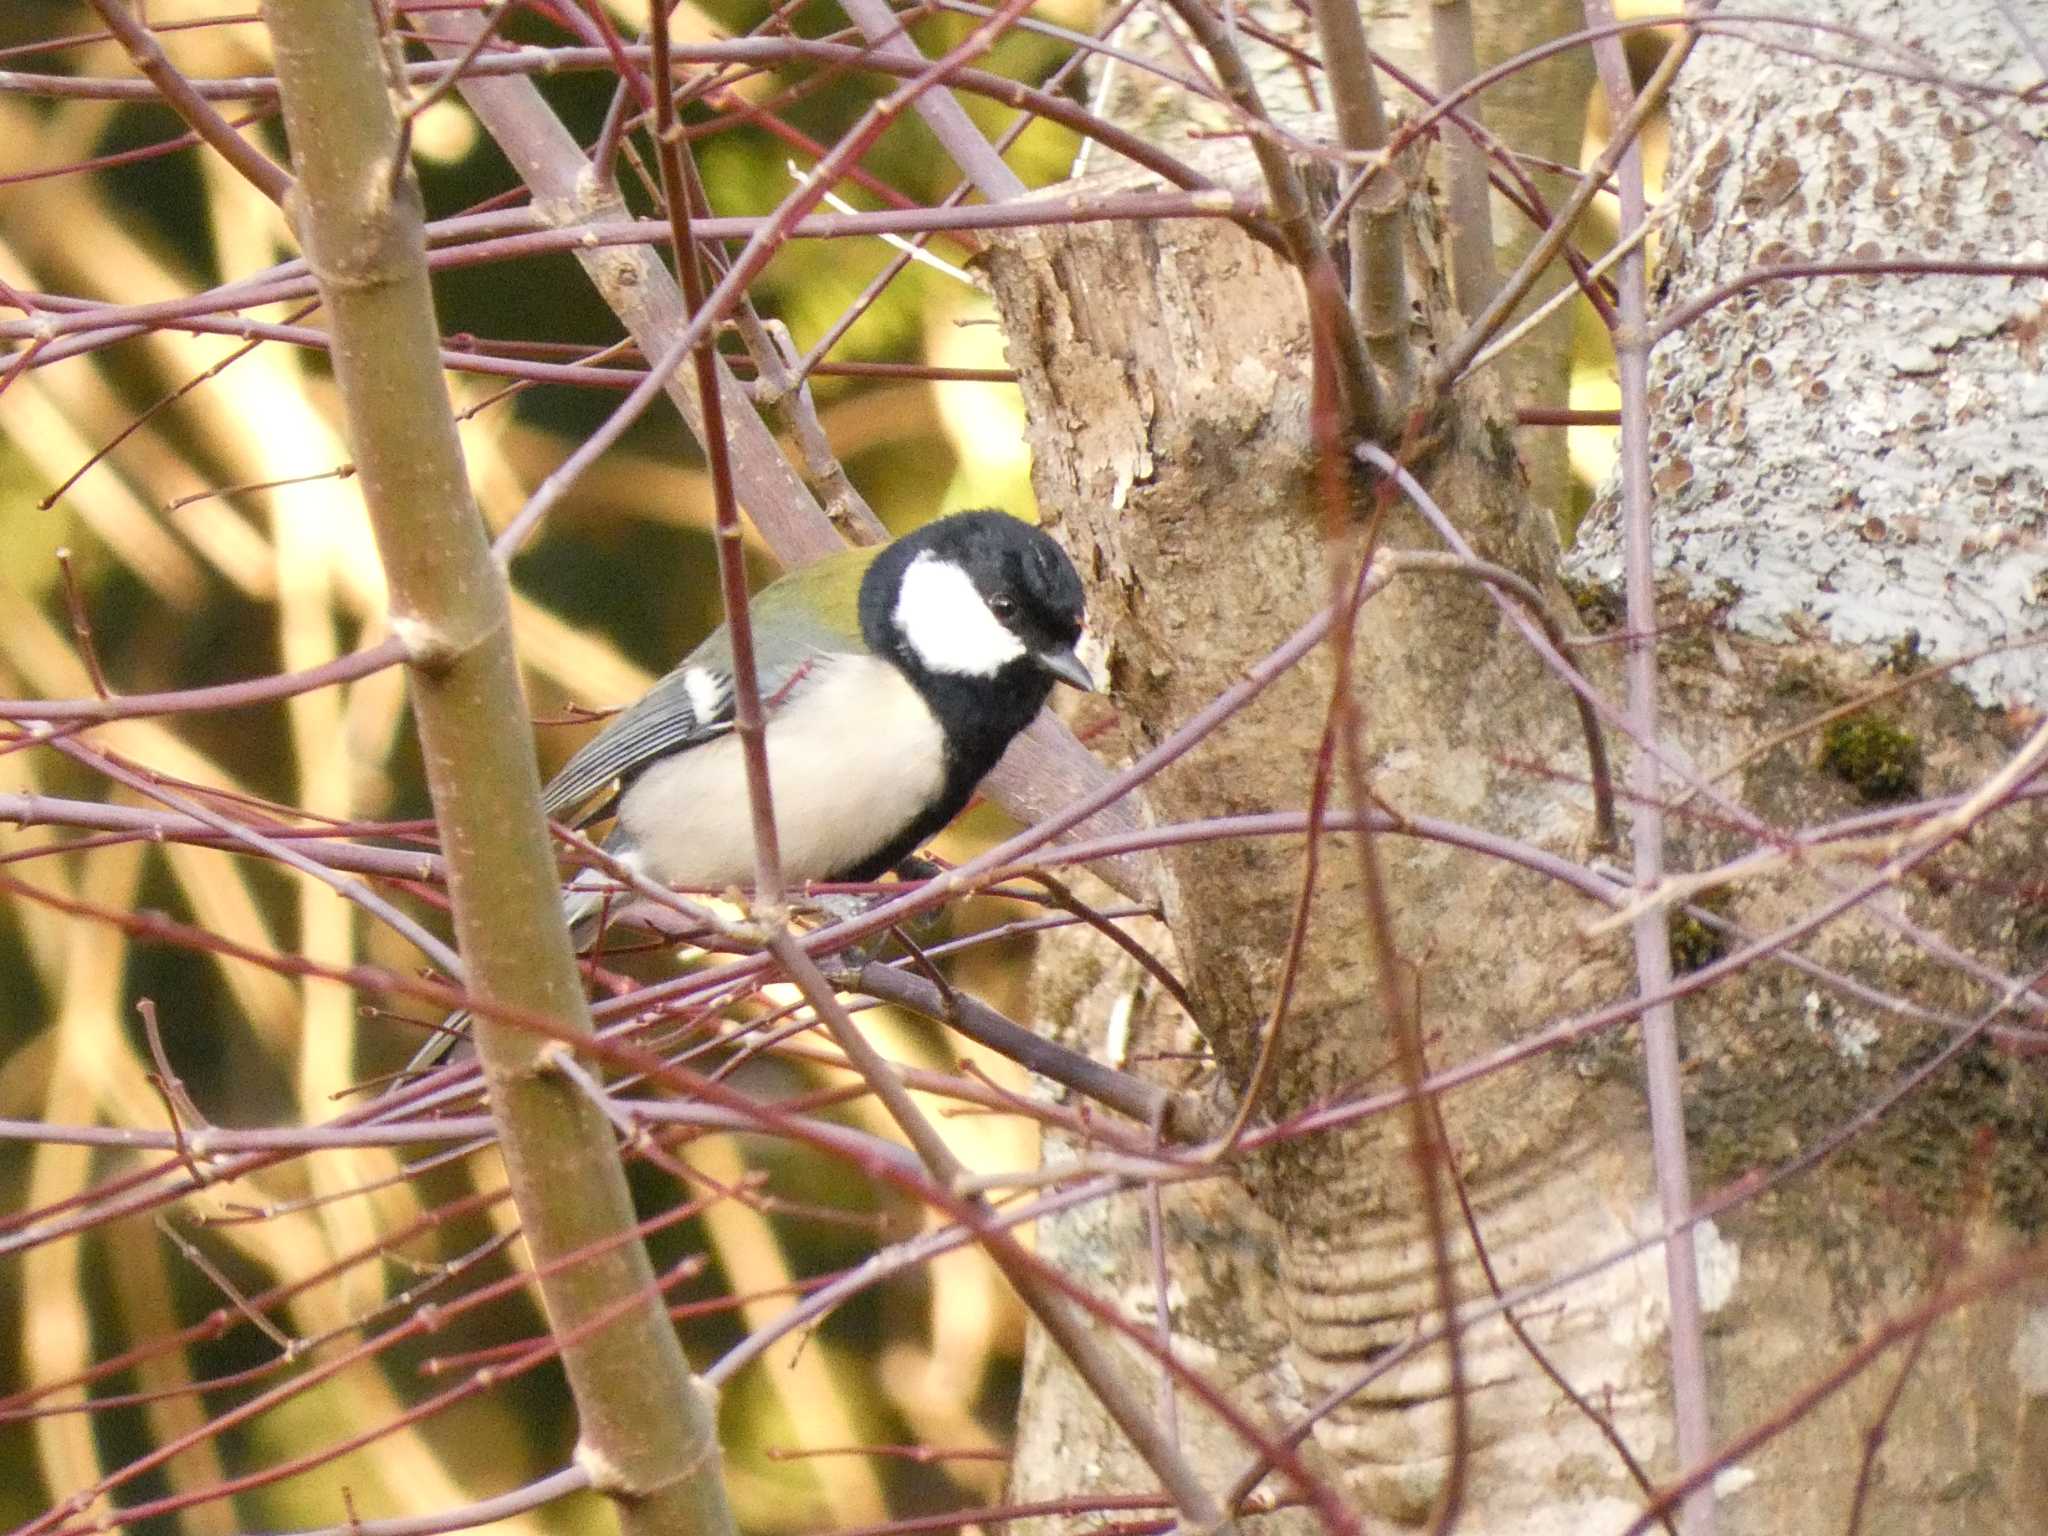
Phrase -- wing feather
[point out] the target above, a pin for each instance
(666, 720)
(671, 718)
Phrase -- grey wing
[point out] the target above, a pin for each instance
(692, 704)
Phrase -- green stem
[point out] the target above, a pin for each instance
(647, 1431)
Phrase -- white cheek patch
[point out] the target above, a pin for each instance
(947, 624)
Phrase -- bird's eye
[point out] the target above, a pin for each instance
(1003, 606)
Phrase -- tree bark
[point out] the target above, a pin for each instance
(1166, 371)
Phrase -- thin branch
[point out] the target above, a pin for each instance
(2006, 1277)
(1628, 126)
(1600, 1421)
(257, 168)
(1379, 267)
(1397, 998)
(647, 1434)
(1062, 896)
(749, 723)
(784, 388)
(134, 823)
(191, 701)
(1431, 562)
(494, 17)
(81, 625)
(156, 407)
(227, 1287)
(475, 239)
(1679, 316)
(1146, 1103)
(1613, 256)
(537, 1494)
(762, 52)
(1875, 1436)
(401, 923)
(1162, 1305)
(1650, 933)
(947, 119)
(1300, 237)
(1373, 575)
(1095, 1366)
(812, 360)
(1468, 195)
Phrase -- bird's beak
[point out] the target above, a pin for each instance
(1067, 667)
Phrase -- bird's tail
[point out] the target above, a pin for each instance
(583, 907)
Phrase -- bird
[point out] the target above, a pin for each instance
(891, 678)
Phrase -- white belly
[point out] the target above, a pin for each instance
(853, 758)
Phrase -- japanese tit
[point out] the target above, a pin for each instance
(891, 677)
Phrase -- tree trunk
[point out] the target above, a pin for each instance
(1166, 371)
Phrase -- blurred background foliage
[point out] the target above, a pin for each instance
(214, 536)
(259, 575)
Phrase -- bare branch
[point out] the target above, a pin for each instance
(647, 1435)
(261, 172)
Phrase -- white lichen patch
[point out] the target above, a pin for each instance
(1850, 1034)
(1733, 1480)
(1720, 1266)
(1857, 455)
(2030, 1353)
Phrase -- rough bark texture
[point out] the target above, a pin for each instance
(1540, 111)
(1862, 457)
(1165, 370)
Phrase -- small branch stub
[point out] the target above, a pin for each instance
(430, 647)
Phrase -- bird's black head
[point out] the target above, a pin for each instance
(973, 596)
(981, 611)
